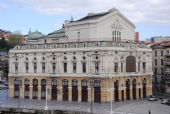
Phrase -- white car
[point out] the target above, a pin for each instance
(152, 98)
(164, 101)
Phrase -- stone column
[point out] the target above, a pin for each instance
(11, 87)
(39, 89)
(70, 90)
(105, 96)
(59, 90)
(131, 92)
(79, 91)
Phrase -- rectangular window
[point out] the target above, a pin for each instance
(161, 53)
(54, 67)
(65, 67)
(138, 66)
(162, 62)
(144, 67)
(43, 67)
(97, 68)
(26, 67)
(121, 67)
(155, 53)
(155, 61)
(74, 67)
(35, 67)
(84, 67)
(116, 67)
(16, 67)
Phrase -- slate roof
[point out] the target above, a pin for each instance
(93, 16)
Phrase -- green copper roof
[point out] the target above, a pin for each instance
(35, 35)
(57, 33)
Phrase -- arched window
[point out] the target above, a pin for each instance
(65, 90)
(43, 89)
(35, 88)
(27, 89)
(130, 64)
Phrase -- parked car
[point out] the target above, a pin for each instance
(164, 101)
(168, 103)
(0, 88)
(152, 98)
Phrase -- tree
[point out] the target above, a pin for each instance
(15, 39)
(4, 45)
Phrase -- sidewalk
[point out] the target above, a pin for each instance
(68, 106)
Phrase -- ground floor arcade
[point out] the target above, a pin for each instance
(81, 89)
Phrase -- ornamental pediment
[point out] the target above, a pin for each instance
(116, 25)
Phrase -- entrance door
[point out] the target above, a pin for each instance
(116, 91)
(97, 91)
(144, 90)
(74, 90)
(128, 89)
(122, 95)
(97, 95)
(139, 93)
(84, 94)
(134, 89)
(84, 91)
(65, 93)
(65, 90)
(54, 89)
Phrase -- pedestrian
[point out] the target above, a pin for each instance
(149, 112)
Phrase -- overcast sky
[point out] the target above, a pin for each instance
(151, 17)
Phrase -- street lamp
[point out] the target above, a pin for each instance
(111, 100)
(46, 107)
(91, 84)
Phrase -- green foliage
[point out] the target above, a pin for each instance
(4, 45)
(15, 40)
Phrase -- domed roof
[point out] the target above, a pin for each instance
(35, 35)
(57, 34)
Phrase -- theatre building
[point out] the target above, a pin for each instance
(86, 59)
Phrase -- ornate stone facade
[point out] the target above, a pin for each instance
(82, 69)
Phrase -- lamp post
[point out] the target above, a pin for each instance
(46, 106)
(91, 84)
(111, 100)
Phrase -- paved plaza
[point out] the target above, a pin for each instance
(127, 107)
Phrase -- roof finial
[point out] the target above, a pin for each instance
(29, 32)
(71, 18)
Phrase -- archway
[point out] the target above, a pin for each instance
(144, 88)
(97, 91)
(27, 89)
(43, 89)
(127, 89)
(74, 90)
(35, 89)
(134, 88)
(65, 90)
(116, 90)
(84, 91)
(54, 89)
(16, 88)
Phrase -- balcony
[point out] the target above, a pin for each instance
(167, 62)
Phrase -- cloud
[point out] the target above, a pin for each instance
(3, 6)
(145, 11)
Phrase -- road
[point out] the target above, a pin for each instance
(126, 107)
